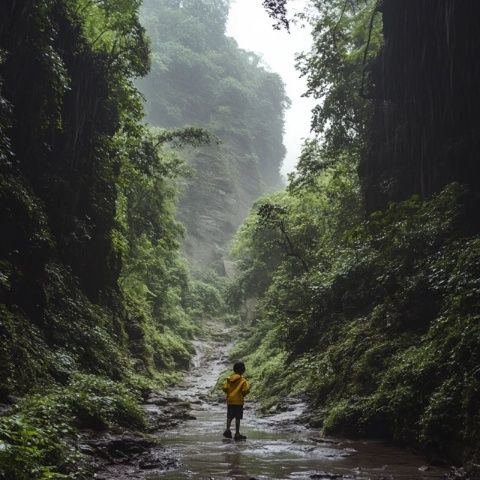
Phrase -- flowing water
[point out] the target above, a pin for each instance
(277, 448)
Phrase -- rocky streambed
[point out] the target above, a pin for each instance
(186, 441)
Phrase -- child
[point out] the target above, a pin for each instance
(236, 387)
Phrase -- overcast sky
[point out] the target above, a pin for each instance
(250, 25)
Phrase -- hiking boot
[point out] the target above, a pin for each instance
(227, 433)
(238, 436)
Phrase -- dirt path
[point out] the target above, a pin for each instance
(277, 448)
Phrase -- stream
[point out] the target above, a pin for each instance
(276, 448)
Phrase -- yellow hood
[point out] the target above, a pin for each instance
(236, 387)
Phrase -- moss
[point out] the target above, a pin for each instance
(169, 350)
(25, 358)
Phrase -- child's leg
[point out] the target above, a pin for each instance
(237, 425)
(227, 433)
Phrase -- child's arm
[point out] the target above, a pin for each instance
(225, 386)
(245, 388)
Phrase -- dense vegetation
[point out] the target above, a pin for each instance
(200, 77)
(97, 303)
(373, 316)
(358, 284)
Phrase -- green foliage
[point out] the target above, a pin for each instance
(201, 77)
(206, 299)
(73, 334)
(101, 403)
(382, 328)
(61, 309)
(38, 439)
(293, 231)
(92, 278)
(155, 280)
(204, 78)
(374, 319)
(347, 36)
(113, 27)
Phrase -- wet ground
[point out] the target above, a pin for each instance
(277, 447)
(186, 440)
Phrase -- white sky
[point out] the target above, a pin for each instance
(251, 26)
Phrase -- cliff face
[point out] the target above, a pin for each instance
(61, 103)
(224, 185)
(425, 84)
(203, 78)
(88, 236)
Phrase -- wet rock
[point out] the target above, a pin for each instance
(174, 400)
(162, 423)
(157, 460)
(338, 476)
(329, 441)
(330, 476)
(469, 472)
(316, 421)
(126, 456)
(143, 469)
(457, 474)
(86, 449)
(156, 399)
(114, 447)
(313, 419)
(165, 412)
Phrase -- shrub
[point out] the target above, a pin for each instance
(38, 439)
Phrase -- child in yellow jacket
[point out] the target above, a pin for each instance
(236, 387)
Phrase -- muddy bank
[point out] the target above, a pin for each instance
(127, 455)
(138, 456)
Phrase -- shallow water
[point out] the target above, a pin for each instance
(276, 447)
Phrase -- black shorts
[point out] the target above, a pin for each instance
(235, 411)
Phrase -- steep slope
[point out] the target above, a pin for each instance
(199, 76)
(424, 85)
(375, 317)
(82, 253)
(95, 298)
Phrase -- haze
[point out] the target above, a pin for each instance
(250, 25)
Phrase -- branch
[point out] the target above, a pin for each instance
(277, 9)
(291, 250)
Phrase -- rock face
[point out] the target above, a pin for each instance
(200, 77)
(216, 200)
(425, 128)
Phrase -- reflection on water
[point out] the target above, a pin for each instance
(234, 462)
(273, 451)
(276, 448)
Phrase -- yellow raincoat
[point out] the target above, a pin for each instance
(236, 387)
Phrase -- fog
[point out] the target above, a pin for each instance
(250, 25)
